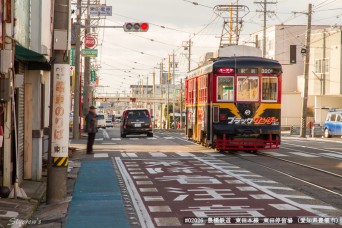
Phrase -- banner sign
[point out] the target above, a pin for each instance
(61, 110)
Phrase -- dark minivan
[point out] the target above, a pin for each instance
(136, 121)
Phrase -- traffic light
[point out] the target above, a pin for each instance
(135, 27)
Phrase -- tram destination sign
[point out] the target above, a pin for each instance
(255, 71)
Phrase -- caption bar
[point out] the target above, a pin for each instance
(263, 220)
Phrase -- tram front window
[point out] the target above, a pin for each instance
(248, 88)
(269, 89)
(225, 88)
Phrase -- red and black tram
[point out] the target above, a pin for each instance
(234, 103)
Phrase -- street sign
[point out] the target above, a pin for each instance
(100, 10)
(92, 76)
(89, 52)
(89, 41)
(72, 57)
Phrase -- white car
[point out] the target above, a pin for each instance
(109, 123)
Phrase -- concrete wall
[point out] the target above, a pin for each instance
(291, 116)
(41, 21)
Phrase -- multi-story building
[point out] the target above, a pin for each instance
(284, 43)
(325, 74)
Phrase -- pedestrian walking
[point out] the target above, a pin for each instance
(91, 126)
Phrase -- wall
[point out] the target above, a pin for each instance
(41, 21)
(323, 103)
(22, 24)
(291, 116)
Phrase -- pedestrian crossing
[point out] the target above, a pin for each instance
(217, 155)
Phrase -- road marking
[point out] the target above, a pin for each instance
(152, 138)
(116, 139)
(276, 154)
(167, 221)
(131, 155)
(108, 143)
(133, 138)
(304, 154)
(168, 137)
(153, 198)
(215, 154)
(159, 208)
(333, 155)
(101, 155)
(261, 196)
(99, 139)
(185, 154)
(157, 154)
(105, 134)
(284, 207)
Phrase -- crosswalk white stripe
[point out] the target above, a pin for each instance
(276, 154)
(304, 154)
(99, 139)
(133, 139)
(168, 137)
(131, 155)
(333, 155)
(116, 139)
(158, 154)
(185, 154)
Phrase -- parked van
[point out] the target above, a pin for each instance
(333, 124)
(101, 120)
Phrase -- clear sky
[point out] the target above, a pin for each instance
(126, 57)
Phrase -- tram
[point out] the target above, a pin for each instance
(233, 101)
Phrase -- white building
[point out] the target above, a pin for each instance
(284, 43)
(325, 74)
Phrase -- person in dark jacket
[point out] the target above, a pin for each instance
(91, 127)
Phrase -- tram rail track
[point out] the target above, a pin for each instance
(296, 177)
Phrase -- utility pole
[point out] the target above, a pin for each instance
(167, 94)
(161, 93)
(265, 11)
(59, 107)
(189, 54)
(181, 103)
(174, 88)
(323, 63)
(154, 96)
(76, 126)
(86, 89)
(306, 74)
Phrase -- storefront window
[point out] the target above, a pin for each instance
(269, 89)
(225, 88)
(248, 88)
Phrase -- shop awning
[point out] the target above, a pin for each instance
(36, 61)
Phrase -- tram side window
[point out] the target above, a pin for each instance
(248, 88)
(269, 89)
(225, 88)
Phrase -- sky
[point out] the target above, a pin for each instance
(125, 58)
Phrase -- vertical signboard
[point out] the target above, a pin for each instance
(61, 109)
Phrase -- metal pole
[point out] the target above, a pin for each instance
(323, 67)
(306, 75)
(57, 176)
(76, 127)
